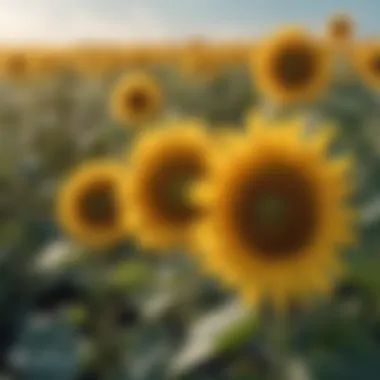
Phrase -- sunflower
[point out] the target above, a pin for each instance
(291, 65)
(224, 135)
(163, 165)
(90, 61)
(137, 98)
(49, 61)
(16, 65)
(234, 52)
(340, 28)
(275, 208)
(198, 61)
(366, 59)
(140, 58)
(91, 203)
(165, 53)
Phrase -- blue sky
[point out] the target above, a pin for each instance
(63, 20)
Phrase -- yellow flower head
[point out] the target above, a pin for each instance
(16, 65)
(340, 27)
(137, 98)
(291, 65)
(274, 211)
(49, 61)
(198, 60)
(163, 164)
(140, 58)
(232, 53)
(90, 61)
(367, 62)
(91, 203)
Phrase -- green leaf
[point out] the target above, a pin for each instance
(76, 314)
(205, 333)
(367, 273)
(11, 232)
(130, 274)
(237, 334)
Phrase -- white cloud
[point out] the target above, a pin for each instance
(48, 20)
(71, 20)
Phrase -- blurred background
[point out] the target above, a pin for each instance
(162, 318)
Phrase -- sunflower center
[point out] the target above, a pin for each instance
(294, 66)
(271, 210)
(177, 188)
(201, 64)
(274, 213)
(341, 28)
(97, 205)
(168, 185)
(17, 64)
(138, 100)
(375, 64)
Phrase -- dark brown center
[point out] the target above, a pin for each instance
(138, 100)
(274, 211)
(17, 64)
(295, 66)
(341, 28)
(97, 205)
(375, 63)
(168, 183)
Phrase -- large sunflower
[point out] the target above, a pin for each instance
(137, 98)
(367, 62)
(291, 65)
(163, 165)
(91, 203)
(275, 210)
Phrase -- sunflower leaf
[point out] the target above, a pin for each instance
(237, 334)
(367, 272)
(130, 274)
(204, 336)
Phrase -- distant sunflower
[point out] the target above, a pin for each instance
(367, 62)
(292, 65)
(274, 211)
(163, 164)
(91, 203)
(165, 53)
(90, 61)
(49, 61)
(234, 53)
(16, 66)
(137, 98)
(198, 61)
(141, 58)
(340, 28)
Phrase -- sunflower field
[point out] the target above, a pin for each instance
(192, 211)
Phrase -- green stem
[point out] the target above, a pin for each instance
(108, 352)
(278, 339)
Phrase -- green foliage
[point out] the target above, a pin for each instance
(49, 127)
(238, 334)
(130, 274)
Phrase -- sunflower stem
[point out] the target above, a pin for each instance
(108, 351)
(278, 340)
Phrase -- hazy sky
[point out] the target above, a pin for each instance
(62, 20)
